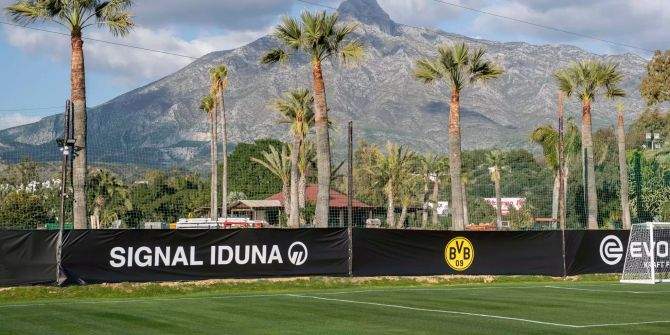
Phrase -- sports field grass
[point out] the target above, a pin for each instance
(339, 306)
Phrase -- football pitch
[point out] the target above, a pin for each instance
(544, 307)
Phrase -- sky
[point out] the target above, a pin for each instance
(35, 65)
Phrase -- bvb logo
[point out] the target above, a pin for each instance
(459, 253)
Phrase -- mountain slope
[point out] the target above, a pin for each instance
(159, 124)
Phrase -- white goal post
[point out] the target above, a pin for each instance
(648, 254)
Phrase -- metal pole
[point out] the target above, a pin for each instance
(350, 197)
(561, 177)
(60, 276)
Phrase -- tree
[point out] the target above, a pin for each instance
(390, 171)
(75, 16)
(586, 80)
(105, 187)
(655, 86)
(319, 36)
(249, 177)
(296, 110)
(496, 162)
(219, 79)
(22, 209)
(623, 170)
(208, 106)
(279, 164)
(305, 166)
(459, 67)
(426, 168)
(547, 137)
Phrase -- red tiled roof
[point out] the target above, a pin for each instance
(337, 199)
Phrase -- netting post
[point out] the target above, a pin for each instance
(60, 276)
(350, 196)
(652, 265)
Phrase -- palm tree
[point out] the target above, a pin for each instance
(586, 80)
(406, 192)
(305, 165)
(623, 170)
(279, 164)
(106, 187)
(319, 36)
(459, 67)
(219, 79)
(76, 15)
(296, 109)
(496, 161)
(389, 172)
(547, 137)
(207, 105)
(426, 168)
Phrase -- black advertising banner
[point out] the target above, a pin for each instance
(413, 252)
(27, 257)
(92, 256)
(595, 251)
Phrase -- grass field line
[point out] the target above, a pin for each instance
(429, 289)
(489, 316)
(597, 290)
(419, 309)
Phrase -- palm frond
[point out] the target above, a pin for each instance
(275, 56)
(26, 12)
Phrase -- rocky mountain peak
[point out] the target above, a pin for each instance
(367, 12)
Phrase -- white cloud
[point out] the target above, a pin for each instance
(14, 119)
(129, 66)
(638, 23)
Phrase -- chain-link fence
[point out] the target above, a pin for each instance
(393, 186)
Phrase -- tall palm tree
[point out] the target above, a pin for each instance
(105, 187)
(278, 163)
(75, 16)
(496, 160)
(296, 110)
(219, 79)
(547, 137)
(319, 36)
(207, 105)
(586, 80)
(459, 67)
(623, 170)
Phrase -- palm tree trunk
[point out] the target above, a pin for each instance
(466, 219)
(224, 139)
(554, 196)
(287, 200)
(79, 165)
(403, 217)
(322, 147)
(294, 216)
(426, 203)
(214, 153)
(96, 217)
(390, 209)
(498, 204)
(589, 170)
(623, 173)
(302, 187)
(455, 161)
(436, 190)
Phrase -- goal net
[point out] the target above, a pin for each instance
(647, 257)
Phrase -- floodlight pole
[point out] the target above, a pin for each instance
(561, 176)
(65, 147)
(350, 196)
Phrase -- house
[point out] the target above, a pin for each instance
(337, 215)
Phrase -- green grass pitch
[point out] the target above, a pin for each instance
(340, 306)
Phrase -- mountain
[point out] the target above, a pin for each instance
(160, 124)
